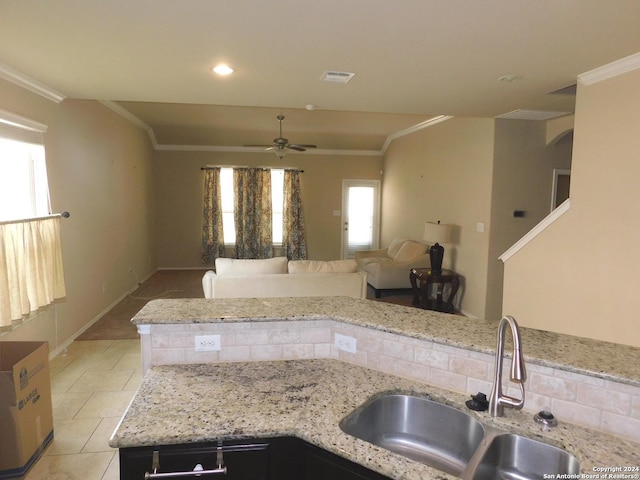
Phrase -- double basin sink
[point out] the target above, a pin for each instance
(453, 441)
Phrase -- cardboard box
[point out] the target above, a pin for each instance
(26, 417)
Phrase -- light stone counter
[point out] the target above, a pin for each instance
(618, 363)
(307, 399)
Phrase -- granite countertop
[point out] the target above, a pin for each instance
(307, 399)
(605, 360)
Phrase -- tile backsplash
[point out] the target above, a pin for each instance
(581, 399)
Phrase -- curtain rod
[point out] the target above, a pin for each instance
(209, 167)
(34, 219)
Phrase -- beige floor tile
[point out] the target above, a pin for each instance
(125, 346)
(67, 405)
(105, 404)
(113, 472)
(62, 381)
(71, 435)
(60, 362)
(134, 382)
(96, 361)
(89, 346)
(82, 466)
(108, 381)
(88, 402)
(129, 361)
(99, 441)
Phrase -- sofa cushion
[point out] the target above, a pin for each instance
(318, 266)
(236, 266)
(409, 251)
(394, 246)
(363, 262)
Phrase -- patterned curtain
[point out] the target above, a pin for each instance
(294, 242)
(253, 218)
(212, 235)
(31, 274)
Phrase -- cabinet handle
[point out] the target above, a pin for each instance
(194, 473)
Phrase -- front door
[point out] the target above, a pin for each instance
(360, 216)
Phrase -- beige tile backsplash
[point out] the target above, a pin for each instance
(593, 402)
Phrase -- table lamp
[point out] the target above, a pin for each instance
(436, 233)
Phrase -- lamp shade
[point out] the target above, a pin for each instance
(436, 232)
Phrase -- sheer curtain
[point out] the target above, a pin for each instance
(31, 274)
(212, 233)
(294, 243)
(253, 213)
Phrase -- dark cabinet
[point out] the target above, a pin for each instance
(318, 464)
(285, 458)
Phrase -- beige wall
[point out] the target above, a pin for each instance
(444, 173)
(100, 170)
(580, 275)
(179, 183)
(522, 180)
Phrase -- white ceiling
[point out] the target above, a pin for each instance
(413, 60)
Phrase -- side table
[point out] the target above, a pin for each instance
(422, 278)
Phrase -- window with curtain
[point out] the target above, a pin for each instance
(259, 209)
(31, 275)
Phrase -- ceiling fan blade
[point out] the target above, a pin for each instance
(302, 145)
(297, 148)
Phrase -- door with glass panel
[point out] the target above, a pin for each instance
(360, 216)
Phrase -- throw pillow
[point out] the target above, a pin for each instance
(241, 266)
(318, 266)
(409, 251)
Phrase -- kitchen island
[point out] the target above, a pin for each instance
(591, 383)
(182, 404)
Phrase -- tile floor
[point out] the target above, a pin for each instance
(91, 385)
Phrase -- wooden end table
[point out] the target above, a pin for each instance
(422, 278)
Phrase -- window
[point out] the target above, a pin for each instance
(227, 194)
(24, 191)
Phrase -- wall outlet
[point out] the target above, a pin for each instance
(207, 343)
(345, 343)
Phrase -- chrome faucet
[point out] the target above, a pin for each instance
(497, 401)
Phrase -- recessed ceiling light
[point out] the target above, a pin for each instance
(223, 69)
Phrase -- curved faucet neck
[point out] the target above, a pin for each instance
(497, 401)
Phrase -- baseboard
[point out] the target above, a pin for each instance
(186, 268)
(61, 348)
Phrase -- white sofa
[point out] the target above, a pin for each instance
(277, 277)
(388, 268)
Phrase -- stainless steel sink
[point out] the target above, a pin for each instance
(512, 457)
(453, 441)
(421, 429)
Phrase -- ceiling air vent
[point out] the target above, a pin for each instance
(336, 77)
(531, 115)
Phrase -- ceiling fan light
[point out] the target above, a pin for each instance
(280, 152)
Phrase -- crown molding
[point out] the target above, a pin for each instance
(133, 119)
(613, 69)
(18, 78)
(231, 149)
(19, 121)
(413, 129)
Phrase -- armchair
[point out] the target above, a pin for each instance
(388, 268)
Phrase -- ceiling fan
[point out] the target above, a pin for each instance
(281, 145)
